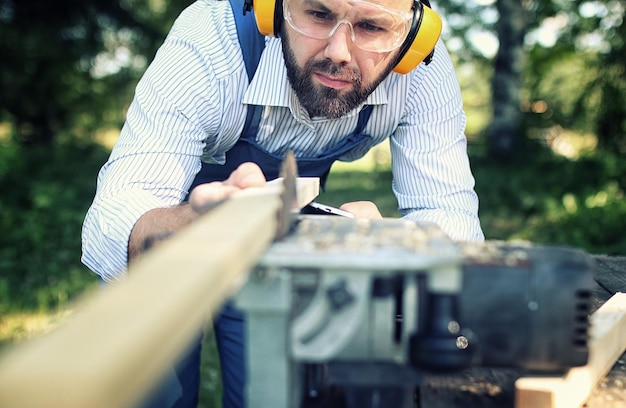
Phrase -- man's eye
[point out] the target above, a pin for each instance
(370, 28)
(318, 15)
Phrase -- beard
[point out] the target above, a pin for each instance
(322, 101)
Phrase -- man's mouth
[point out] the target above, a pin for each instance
(332, 82)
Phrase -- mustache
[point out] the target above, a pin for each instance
(336, 70)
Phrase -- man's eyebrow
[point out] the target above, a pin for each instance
(317, 4)
(373, 20)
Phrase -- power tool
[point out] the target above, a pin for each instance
(356, 311)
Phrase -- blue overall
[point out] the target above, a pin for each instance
(229, 324)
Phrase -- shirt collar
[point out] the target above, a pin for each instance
(270, 86)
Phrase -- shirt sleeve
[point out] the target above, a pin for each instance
(432, 179)
(174, 118)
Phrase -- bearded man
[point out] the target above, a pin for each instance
(328, 80)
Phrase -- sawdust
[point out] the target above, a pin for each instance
(610, 392)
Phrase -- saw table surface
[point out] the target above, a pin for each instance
(492, 387)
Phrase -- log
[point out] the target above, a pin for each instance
(607, 343)
(123, 338)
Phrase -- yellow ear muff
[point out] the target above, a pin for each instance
(425, 31)
(428, 32)
(264, 11)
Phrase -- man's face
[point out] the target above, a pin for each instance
(332, 76)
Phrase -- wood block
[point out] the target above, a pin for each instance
(308, 188)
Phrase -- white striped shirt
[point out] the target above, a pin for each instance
(191, 105)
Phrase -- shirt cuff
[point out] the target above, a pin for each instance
(107, 228)
(456, 225)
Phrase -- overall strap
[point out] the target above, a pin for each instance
(252, 43)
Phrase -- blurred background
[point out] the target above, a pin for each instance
(544, 86)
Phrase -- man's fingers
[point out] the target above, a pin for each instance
(206, 196)
(362, 209)
(247, 175)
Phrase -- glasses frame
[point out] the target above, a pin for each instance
(409, 16)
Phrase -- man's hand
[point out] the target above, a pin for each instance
(158, 224)
(362, 209)
(206, 196)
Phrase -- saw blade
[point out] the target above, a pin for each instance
(288, 212)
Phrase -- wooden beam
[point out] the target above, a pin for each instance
(124, 337)
(607, 343)
(308, 188)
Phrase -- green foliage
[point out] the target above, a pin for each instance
(542, 198)
(66, 60)
(579, 90)
(46, 193)
(553, 200)
(210, 394)
(361, 185)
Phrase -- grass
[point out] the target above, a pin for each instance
(210, 393)
(22, 326)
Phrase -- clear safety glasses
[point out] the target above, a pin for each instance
(373, 27)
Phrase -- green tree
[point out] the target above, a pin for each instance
(68, 68)
(604, 31)
(505, 132)
(566, 57)
(66, 62)
(581, 79)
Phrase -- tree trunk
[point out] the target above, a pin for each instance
(505, 131)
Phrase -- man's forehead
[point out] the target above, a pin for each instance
(399, 5)
(403, 5)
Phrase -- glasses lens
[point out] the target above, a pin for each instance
(372, 27)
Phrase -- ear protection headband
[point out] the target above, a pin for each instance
(418, 46)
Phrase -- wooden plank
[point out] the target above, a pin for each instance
(124, 337)
(308, 189)
(607, 342)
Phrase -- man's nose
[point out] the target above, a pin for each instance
(340, 43)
